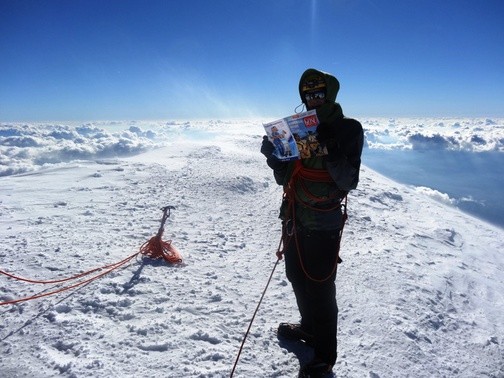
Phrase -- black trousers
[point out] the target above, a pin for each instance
(310, 258)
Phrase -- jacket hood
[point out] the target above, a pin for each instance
(331, 110)
(331, 83)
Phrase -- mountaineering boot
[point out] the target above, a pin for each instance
(295, 332)
(315, 369)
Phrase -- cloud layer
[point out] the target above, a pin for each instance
(26, 147)
(473, 135)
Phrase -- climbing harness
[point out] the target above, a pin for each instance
(299, 176)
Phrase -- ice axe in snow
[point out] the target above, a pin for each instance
(157, 248)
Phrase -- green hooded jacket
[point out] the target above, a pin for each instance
(343, 164)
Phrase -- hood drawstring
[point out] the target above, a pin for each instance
(297, 107)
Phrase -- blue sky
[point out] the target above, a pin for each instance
(81, 60)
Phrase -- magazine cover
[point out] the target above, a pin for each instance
(295, 137)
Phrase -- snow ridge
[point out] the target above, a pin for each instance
(420, 289)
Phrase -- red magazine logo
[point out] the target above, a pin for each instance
(310, 121)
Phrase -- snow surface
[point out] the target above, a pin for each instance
(420, 291)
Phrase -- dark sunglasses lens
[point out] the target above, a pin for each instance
(314, 95)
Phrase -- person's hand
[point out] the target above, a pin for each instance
(326, 132)
(267, 148)
(328, 136)
(342, 140)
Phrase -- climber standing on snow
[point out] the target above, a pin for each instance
(313, 216)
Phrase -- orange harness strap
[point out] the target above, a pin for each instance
(310, 174)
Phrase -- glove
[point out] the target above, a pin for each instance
(344, 140)
(267, 148)
(275, 164)
(328, 135)
(326, 132)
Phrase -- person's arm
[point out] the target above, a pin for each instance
(344, 143)
(279, 167)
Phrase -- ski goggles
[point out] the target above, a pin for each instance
(314, 95)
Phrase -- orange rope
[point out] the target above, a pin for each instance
(58, 280)
(310, 174)
(110, 267)
(279, 257)
(157, 248)
(153, 248)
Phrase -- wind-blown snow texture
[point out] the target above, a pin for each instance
(420, 290)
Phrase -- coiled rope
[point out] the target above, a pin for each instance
(157, 248)
(154, 248)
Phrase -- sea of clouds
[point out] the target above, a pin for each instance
(28, 146)
(25, 147)
(471, 135)
(457, 161)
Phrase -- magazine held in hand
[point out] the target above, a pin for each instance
(295, 137)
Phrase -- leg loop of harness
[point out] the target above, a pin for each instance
(291, 232)
(289, 227)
